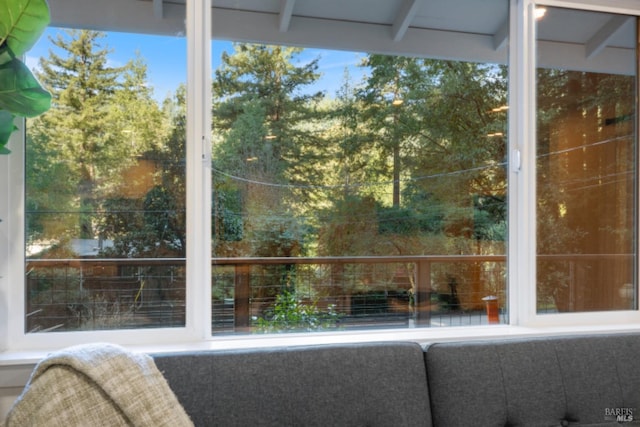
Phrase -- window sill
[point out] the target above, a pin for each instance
(422, 336)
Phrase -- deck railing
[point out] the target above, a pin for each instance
(365, 292)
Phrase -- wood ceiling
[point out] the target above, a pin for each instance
(475, 30)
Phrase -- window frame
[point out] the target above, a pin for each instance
(521, 253)
(522, 257)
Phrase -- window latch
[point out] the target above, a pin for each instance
(517, 160)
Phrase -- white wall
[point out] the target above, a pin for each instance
(7, 397)
(12, 381)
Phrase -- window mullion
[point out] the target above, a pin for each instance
(198, 167)
(12, 241)
(522, 235)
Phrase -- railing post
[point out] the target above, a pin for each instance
(572, 286)
(241, 309)
(422, 297)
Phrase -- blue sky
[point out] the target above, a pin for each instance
(166, 59)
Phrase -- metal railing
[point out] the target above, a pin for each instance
(364, 292)
(358, 291)
(367, 291)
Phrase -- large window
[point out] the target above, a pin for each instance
(371, 195)
(323, 167)
(105, 184)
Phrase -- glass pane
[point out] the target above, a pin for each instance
(586, 164)
(367, 195)
(105, 180)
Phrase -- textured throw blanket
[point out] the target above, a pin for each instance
(97, 385)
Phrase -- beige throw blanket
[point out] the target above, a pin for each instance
(97, 385)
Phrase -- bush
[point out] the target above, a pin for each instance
(290, 314)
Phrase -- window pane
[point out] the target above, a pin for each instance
(105, 183)
(368, 195)
(586, 164)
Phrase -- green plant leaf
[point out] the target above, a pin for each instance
(6, 129)
(22, 23)
(20, 92)
(5, 54)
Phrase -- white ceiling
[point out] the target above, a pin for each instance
(473, 30)
(474, 16)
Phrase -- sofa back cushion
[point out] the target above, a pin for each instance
(335, 385)
(540, 381)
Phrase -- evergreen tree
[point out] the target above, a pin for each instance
(349, 147)
(461, 157)
(154, 225)
(442, 140)
(266, 153)
(265, 77)
(391, 96)
(77, 126)
(102, 118)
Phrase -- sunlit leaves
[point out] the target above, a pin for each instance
(20, 92)
(22, 23)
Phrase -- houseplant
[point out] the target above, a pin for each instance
(21, 25)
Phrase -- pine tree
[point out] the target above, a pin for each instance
(266, 152)
(265, 77)
(102, 118)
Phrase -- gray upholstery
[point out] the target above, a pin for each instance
(339, 385)
(553, 381)
(534, 382)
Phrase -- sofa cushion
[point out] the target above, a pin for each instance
(335, 385)
(535, 382)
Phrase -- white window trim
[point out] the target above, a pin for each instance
(522, 140)
(13, 339)
(17, 347)
(198, 227)
(11, 239)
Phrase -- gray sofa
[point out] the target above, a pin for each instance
(552, 381)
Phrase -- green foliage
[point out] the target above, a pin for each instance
(348, 227)
(367, 174)
(284, 236)
(397, 220)
(292, 175)
(228, 223)
(291, 314)
(21, 24)
(261, 118)
(262, 111)
(152, 224)
(490, 218)
(143, 228)
(103, 120)
(6, 129)
(160, 215)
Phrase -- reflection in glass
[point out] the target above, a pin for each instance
(586, 170)
(379, 203)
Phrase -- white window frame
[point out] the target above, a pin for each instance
(12, 331)
(522, 195)
(523, 319)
